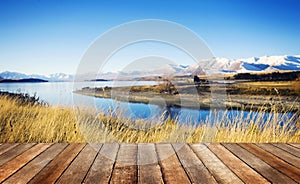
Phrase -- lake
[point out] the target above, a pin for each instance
(61, 94)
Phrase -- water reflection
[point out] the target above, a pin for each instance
(61, 93)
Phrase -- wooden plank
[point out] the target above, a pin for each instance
(220, 171)
(13, 165)
(76, 172)
(297, 145)
(148, 167)
(195, 169)
(290, 149)
(101, 170)
(172, 170)
(7, 146)
(125, 170)
(25, 174)
(55, 168)
(43, 163)
(242, 170)
(12, 153)
(273, 161)
(260, 166)
(291, 159)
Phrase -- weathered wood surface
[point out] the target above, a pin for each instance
(149, 163)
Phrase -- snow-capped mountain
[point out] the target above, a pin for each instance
(61, 77)
(163, 70)
(13, 75)
(52, 77)
(257, 64)
(224, 65)
(168, 69)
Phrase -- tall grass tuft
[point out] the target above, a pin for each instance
(21, 122)
(36, 123)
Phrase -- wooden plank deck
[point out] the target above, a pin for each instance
(149, 163)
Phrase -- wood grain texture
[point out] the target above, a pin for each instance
(125, 170)
(12, 153)
(13, 165)
(282, 154)
(290, 149)
(101, 169)
(148, 167)
(57, 166)
(296, 145)
(275, 162)
(149, 163)
(195, 169)
(170, 164)
(260, 166)
(7, 146)
(77, 170)
(220, 171)
(242, 170)
(25, 174)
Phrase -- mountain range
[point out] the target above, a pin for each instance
(259, 64)
(57, 77)
(224, 65)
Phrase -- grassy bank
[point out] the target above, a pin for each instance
(21, 122)
(246, 95)
(36, 122)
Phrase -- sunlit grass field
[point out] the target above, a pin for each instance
(21, 122)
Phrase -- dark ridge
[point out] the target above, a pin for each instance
(21, 80)
(98, 80)
(275, 76)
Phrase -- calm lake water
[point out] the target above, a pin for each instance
(61, 94)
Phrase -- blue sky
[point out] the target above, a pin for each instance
(49, 36)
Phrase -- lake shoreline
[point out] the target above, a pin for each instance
(203, 101)
(46, 124)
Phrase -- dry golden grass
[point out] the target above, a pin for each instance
(296, 85)
(35, 123)
(159, 88)
(283, 84)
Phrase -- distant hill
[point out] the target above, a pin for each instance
(57, 77)
(21, 80)
(99, 80)
(267, 64)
